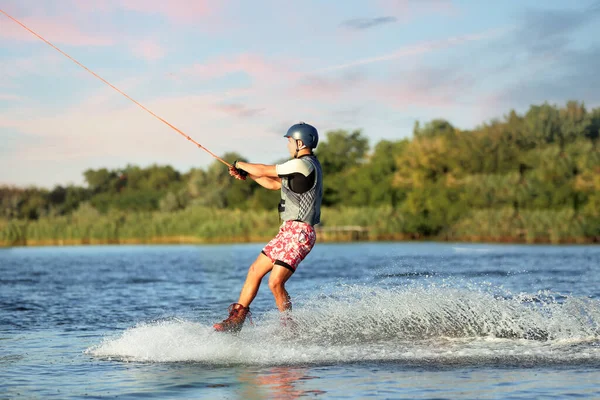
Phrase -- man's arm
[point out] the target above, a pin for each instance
(265, 175)
(267, 182)
(258, 170)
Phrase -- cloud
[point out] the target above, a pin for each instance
(320, 86)
(184, 11)
(288, 91)
(10, 97)
(348, 115)
(176, 10)
(39, 64)
(547, 31)
(426, 86)
(408, 8)
(59, 146)
(255, 66)
(360, 24)
(420, 48)
(61, 25)
(148, 50)
(8, 122)
(572, 76)
(555, 68)
(56, 30)
(90, 130)
(238, 110)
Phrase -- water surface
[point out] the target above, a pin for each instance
(383, 320)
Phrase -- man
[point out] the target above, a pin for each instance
(301, 183)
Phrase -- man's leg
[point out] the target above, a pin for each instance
(259, 268)
(277, 279)
(238, 311)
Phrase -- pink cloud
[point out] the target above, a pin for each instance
(425, 87)
(325, 87)
(405, 9)
(238, 110)
(91, 130)
(6, 122)
(56, 30)
(44, 63)
(419, 85)
(10, 97)
(176, 10)
(412, 50)
(86, 130)
(148, 50)
(255, 66)
(64, 29)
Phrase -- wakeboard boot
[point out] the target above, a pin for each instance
(235, 321)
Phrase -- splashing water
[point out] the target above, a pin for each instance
(440, 325)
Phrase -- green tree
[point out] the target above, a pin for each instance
(435, 128)
(575, 123)
(342, 150)
(593, 132)
(101, 180)
(339, 153)
(542, 125)
(371, 184)
(169, 203)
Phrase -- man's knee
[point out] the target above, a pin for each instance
(276, 283)
(260, 267)
(253, 269)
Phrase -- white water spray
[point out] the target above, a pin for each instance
(409, 324)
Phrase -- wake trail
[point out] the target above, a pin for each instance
(441, 325)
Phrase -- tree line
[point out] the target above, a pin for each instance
(531, 177)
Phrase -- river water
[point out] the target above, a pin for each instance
(377, 320)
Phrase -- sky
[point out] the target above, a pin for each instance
(234, 75)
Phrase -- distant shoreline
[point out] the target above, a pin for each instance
(324, 238)
(201, 225)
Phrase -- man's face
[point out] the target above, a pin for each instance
(291, 145)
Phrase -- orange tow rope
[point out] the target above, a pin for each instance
(118, 90)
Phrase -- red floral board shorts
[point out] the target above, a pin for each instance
(291, 245)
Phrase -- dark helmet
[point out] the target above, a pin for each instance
(305, 132)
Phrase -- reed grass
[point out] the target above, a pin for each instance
(208, 225)
(529, 226)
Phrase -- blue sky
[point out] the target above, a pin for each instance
(234, 75)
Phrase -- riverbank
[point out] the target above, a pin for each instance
(202, 225)
(324, 238)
